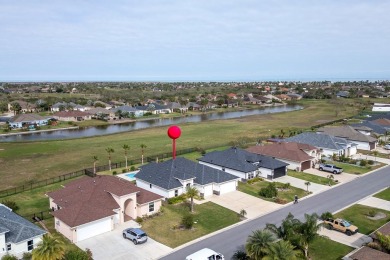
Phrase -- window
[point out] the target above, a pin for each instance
(188, 185)
(8, 247)
(30, 245)
(223, 169)
(176, 193)
(250, 175)
(150, 185)
(151, 206)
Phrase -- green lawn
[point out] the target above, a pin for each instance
(311, 177)
(209, 217)
(357, 215)
(323, 248)
(285, 195)
(354, 169)
(385, 194)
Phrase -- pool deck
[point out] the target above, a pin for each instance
(123, 176)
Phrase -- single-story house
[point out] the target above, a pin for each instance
(177, 107)
(298, 156)
(244, 164)
(367, 253)
(24, 120)
(63, 106)
(25, 107)
(154, 108)
(94, 205)
(73, 116)
(128, 109)
(17, 235)
(374, 129)
(171, 178)
(327, 144)
(101, 112)
(364, 142)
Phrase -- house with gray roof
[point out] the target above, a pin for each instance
(171, 178)
(244, 164)
(129, 110)
(372, 128)
(327, 144)
(25, 120)
(364, 142)
(154, 108)
(17, 235)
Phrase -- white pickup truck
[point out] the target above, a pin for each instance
(330, 168)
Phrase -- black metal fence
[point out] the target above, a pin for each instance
(38, 216)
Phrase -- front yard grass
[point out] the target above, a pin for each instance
(385, 194)
(354, 169)
(284, 195)
(323, 248)
(208, 217)
(311, 177)
(358, 216)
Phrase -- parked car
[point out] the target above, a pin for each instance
(387, 147)
(205, 254)
(136, 235)
(330, 168)
(341, 225)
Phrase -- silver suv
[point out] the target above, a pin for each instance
(136, 235)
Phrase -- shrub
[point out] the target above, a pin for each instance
(187, 221)
(9, 257)
(27, 256)
(326, 215)
(280, 200)
(76, 254)
(370, 162)
(269, 192)
(286, 186)
(114, 173)
(256, 179)
(374, 245)
(178, 199)
(372, 213)
(10, 204)
(363, 163)
(124, 170)
(132, 168)
(139, 220)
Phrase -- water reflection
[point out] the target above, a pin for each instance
(111, 129)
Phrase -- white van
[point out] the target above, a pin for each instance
(205, 254)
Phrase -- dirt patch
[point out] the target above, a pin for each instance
(379, 215)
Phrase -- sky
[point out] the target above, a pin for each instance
(194, 40)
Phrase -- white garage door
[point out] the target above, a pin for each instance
(227, 187)
(93, 229)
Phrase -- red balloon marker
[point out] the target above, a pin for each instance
(174, 132)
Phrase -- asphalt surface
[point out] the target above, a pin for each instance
(231, 240)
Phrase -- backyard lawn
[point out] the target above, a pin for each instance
(284, 195)
(358, 216)
(323, 248)
(385, 194)
(208, 217)
(311, 177)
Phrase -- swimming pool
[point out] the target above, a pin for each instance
(131, 175)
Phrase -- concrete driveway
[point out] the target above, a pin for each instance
(356, 240)
(299, 183)
(237, 200)
(113, 246)
(342, 178)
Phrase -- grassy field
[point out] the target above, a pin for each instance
(311, 177)
(323, 248)
(385, 194)
(357, 215)
(23, 162)
(209, 217)
(286, 195)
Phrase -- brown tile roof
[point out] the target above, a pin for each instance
(382, 121)
(367, 253)
(74, 113)
(385, 230)
(285, 150)
(88, 199)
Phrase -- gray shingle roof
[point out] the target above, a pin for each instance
(241, 160)
(167, 174)
(378, 129)
(346, 132)
(319, 140)
(19, 228)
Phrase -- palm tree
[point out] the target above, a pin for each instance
(126, 148)
(49, 248)
(383, 240)
(191, 193)
(286, 229)
(95, 159)
(330, 177)
(15, 106)
(109, 150)
(281, 250)
(243, 213)
(308, 231)
(257, 243)
(143, 146)
(308, 183)
(375, 153)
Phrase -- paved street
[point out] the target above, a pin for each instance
(228, 241)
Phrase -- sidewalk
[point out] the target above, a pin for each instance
(376, 203)
(369, 157)
(299, 183)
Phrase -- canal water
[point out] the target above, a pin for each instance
(125, 127)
